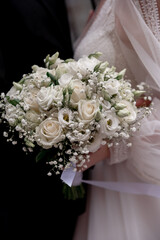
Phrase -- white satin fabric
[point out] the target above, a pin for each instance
(126, 41)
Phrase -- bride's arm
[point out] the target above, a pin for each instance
(101, 154)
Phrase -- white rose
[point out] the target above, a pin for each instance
(45, 97)
(57, 94)
(33, 119)
(132, 112)
(66, 68)
(85, 64)
(109, 124)
(87, 110)
(111, 86)
(65, 117)
(32, 116)
(48, 133)
(72, 68)
(78, 91)
(30, 98)
(65, 79)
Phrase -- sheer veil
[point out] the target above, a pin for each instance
(141, 49)
(136, 36)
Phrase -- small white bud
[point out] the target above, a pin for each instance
(123, 113)
(129, 144)
(5, 134)
(49, 174)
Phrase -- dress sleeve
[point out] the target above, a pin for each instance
(144, 157)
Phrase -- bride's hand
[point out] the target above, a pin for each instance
(101, 154)
(142, 103)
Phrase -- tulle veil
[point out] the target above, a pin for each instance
(137, 39)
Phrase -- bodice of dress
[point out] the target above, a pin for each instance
(101, 37)
(100, 34)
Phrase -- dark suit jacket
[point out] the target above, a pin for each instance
(33, 202)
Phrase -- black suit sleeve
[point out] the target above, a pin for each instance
(31, 29)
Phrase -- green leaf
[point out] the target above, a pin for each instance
(121, 74)
(53, 78)
(98, 116)
(41, 155)
(69, 60)
(14, 102)
(100, 108)
(46, 154)
(95, 55)
(96, 68)
(49, 61)
(22, 80)
(64, 97)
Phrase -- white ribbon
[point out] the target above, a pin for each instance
(72, 178)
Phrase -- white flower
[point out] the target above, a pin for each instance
(96, 143)
(30, 98)
(132, 112)
(126, 91)
(111, 86)
(41, 72)
(109, 124)
(39, 77)
(57, 93)
(12, 92)
(65, 117)
(33, 119)
(87, 110)
(45, 97)
(66, 68)
(13, 114)
(78, 91)
(85, 64)
(65, 79)
(48, 133)
(10, 115)
(81, 135)
(106, 105)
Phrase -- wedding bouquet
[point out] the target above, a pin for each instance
(70, 108)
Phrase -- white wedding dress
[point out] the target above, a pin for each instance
(127, 32)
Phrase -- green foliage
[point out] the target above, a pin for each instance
(54, 80)
(14, 102)
(46, 154)
(74, 192)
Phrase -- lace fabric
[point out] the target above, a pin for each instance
(151, 16)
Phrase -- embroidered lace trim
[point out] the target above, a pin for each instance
(119, 153)
(151, 16)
